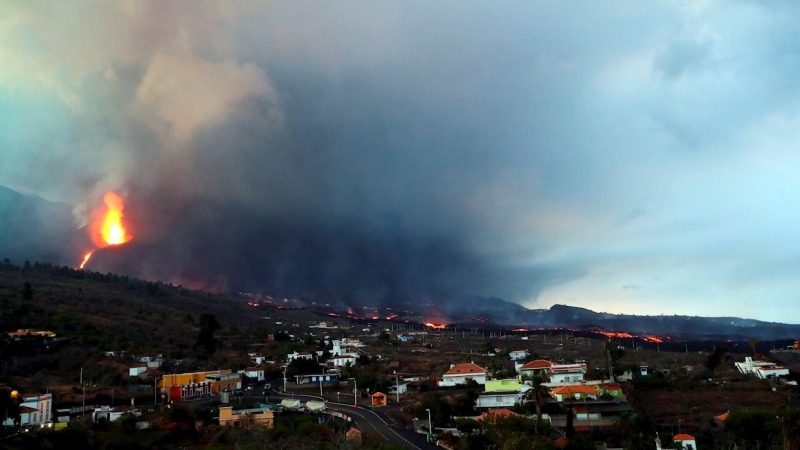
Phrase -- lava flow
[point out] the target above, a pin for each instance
(108, 228)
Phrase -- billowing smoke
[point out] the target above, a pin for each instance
(538, 152)
(277, 149)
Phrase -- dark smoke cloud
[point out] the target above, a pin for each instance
(542, 153)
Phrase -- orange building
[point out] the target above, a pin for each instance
(197, 384)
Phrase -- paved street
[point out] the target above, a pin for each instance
(373, 423)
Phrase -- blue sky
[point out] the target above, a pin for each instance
(635, 157)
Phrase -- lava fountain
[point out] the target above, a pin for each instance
(107, 227)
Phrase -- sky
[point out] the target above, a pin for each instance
(623, 156)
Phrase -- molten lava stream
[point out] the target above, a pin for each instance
(86, 259)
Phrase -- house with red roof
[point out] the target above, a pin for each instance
(577, 392)
(685, 441)
(555, 373)
(761, 369)
(460, 373)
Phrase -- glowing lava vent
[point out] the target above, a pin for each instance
(107, 227)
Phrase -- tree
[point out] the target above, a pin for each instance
(790, 427)
(716, 358)
(205, 337)
(569, 429)
(753, 344)
(538, 394)
(27, 291)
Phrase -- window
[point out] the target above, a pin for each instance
(498, 400)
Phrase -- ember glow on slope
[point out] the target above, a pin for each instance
(639, 158)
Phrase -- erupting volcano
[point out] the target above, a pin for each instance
(106, 227)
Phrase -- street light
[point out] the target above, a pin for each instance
(430, 424)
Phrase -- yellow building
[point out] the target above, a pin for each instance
(256, 416)
(506, 385)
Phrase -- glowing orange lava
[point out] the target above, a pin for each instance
(85, 259)
(107, 227)
(435, 326)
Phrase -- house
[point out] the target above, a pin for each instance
(518, 355)
(400, 388)
(405, 338)
(555, 373)
(460, 373)
(109, 414)
(643, 370)
(340, 361)
(567, 373)
(294, 355)
(30, 333)
(34, 409)
(197, 384)
(256, 416)
(761, 369)
(254, 373)
(317, 378)
(539, 367)
(508, 384)
(577, 392)
(583, 413)
(347, 342)
(612, 389)
(257, 359)
(685, 441)
(136, 371)
(499, 399)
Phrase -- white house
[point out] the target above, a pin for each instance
(347, 342)
(257, 359)
(339, 361)
(498, 399)
(555, 373)
(460, 373)
(567, 373)
(399, 388)
(254, 373)
(109, 414)
(761, 369)
(518, 355)
(292, 356)
(34, 409)
(136, 371)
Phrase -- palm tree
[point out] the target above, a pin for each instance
(753, 343)
(538, 394)
(623, 428)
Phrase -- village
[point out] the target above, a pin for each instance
(419, 386)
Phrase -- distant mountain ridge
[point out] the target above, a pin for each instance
(501, 312)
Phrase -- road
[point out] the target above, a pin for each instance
(373, 423)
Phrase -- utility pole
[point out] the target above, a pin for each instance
(320, 385)
(284, 379)
(355, 393)
(397, 389)
(83, 401)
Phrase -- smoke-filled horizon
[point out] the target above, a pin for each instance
(632, 159)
